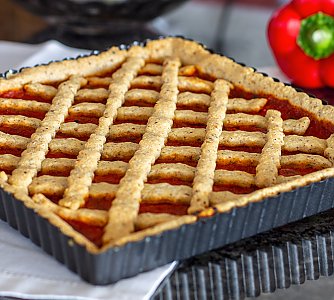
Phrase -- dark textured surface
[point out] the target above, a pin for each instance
(100, 11)
(97, 24)
(124, 35)
(277, 259)
(324, 93)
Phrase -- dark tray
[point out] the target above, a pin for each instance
(178, 244)
(282, 257)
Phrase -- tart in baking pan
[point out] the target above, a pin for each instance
(130, 143)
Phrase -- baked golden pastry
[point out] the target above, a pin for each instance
(125, 144)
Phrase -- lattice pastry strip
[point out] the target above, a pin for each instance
(124, 210)
(185, 135)
(28, 122)
(203, 181)
(143, 114)
(193, 84)
(151, 193)
(83, 95)
(85, 104)
(252, 159)
(99, 95)
(179, 171)
(329, 151)
(187, 154)
(19, 106)
(296, 127)
(267, 169)
(32, 157)
(81, 176)
(43, 90)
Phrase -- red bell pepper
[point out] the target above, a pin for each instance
(301, 36)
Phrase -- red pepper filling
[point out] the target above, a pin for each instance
(173, 161)
(235, 166)
(234, 189)
(133, 121)
(184, 143)
(21, 94)
(103, 204)
(169, 208)
(317, 128)
(131, 102)
(286, 171)
(111, 178)
(129, 138)
(93, 233)
(60, 155)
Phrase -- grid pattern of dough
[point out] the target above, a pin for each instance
(147, 133)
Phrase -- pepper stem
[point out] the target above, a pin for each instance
(316, 35)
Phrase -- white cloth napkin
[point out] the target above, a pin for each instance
(25, 270)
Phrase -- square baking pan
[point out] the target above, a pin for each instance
(183, 242)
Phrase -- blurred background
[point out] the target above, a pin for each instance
(236, 28)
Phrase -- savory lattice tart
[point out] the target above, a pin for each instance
(126, 144)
